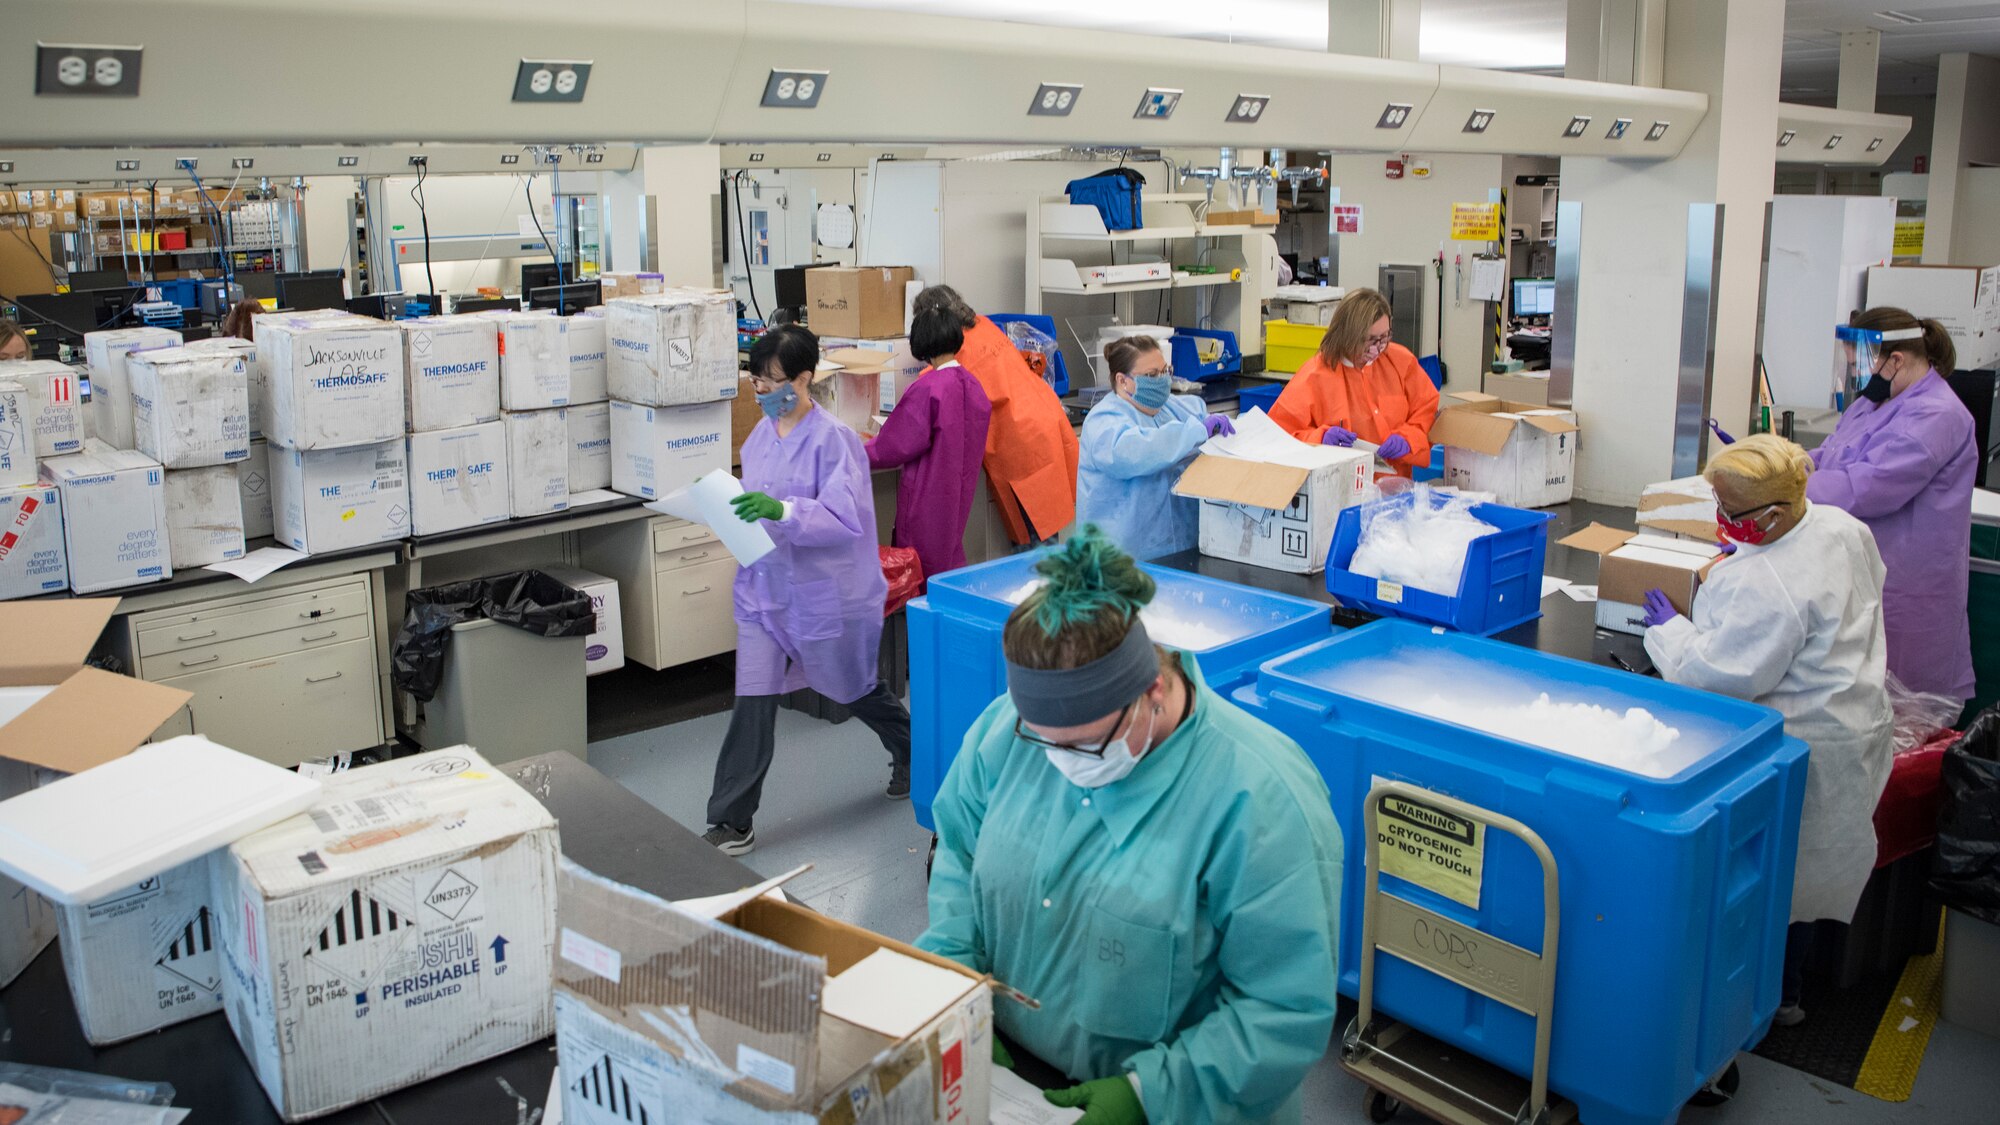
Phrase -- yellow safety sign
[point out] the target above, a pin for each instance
(1475, 222)
(1434, 849)
(1909, 238)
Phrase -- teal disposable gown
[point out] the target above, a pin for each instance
(1179, 924)
(1126, 471)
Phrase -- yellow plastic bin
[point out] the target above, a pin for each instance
(1287, 346)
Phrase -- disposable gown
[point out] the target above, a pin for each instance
(1125, 478)
(1906, 469)
(1389, 396)
(809, 614)
(1178, 924)
(1797, 626)
(937, 436)
(1030, 447)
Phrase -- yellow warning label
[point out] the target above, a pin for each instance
(1434, 849)
(348, 514)
(1475, 222)
(1909, 238)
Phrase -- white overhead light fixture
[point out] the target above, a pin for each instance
(794, 89)
(1787, 137)
(1395, 115)
(1158, 104)
(1833, 141)
(1248, 108)
(1874, 144)
(1658, 130)
(1577, 125)
(1619, 126)
(1479, 120)
(1899, 17)
(1055, 99)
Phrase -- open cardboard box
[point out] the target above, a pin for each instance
(1524, 455)
(1632, 563)
(1270, 500)
(1683, 508)
(751, 1008)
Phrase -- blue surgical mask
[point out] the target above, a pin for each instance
(1152, 391)
(776, 404)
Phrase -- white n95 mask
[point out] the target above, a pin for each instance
(1091, 771)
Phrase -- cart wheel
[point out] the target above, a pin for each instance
(1720, 1091)
(1380, 1106)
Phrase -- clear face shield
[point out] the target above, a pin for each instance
(1858, 362)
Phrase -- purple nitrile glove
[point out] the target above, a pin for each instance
(1659, 610)
(1396, 446)
(1338, 435)
(1728, 546)
(1720, 432)
(1220, 424)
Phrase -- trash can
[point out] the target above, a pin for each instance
(1966, 874)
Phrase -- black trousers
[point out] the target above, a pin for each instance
(1798, 951)
(747, 749)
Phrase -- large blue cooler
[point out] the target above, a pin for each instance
(1675, 890)
(955, 658)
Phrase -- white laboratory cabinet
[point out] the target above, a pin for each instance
(676, 581)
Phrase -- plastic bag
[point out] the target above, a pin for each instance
(1919, 715)
(525, 599)
(1420, 542)
(905, 574)
(1966, 872)
(1036, 347)
(82, 1084)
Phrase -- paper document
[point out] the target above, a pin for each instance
(1489, 279)
(1580, 593)
(1550, 584)
(258, 564)
(1017, 1102)
(594, 496)
(1258, 438)
(893, 993)
(706, 501)
(715, 906)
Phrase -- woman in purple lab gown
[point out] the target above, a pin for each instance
(809, 614)
(1902, 460)
(937, 435)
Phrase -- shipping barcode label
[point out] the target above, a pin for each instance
(593, 955)
(778, 1074)
(1391, 592)
(364, 812)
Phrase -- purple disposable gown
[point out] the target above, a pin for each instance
(1905, 468)
(937, 435)
(809, 614)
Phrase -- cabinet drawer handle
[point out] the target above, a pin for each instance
(696, 537)
(200, 636)
(312, 615)
(322, 679)
(696, 555)
(199, 663)
(692, 593)
(326, 636)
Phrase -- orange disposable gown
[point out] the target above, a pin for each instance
(1030, 446)
(1389, 396)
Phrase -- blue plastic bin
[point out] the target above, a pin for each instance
(1184, 352)
(1433, 471)
(1674, 891)
(956, 668)
(1260, 398)
(1046, 325)
(1501, 586)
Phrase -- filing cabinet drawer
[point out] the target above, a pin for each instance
(672, 536)
(695, 555)
(308, 704)
(276, 643)
(697, 616)
(227, 620)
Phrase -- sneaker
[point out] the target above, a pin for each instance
(729, 841)
(1789, 1015)
(899, 789)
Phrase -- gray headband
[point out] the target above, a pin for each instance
(1071, 697)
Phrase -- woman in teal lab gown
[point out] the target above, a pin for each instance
(1157, 868)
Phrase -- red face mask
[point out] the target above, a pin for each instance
(1741, 529)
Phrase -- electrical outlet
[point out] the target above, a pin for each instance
(1618, 129)
(1658, 130)
(793, 89)
(1158, 104)
(187, 163)
(1248, 108)
(348, 161)
(1577, 125)
(1479, 120)
(510, 158)
(1833, 142)
(1787, 137)
(1054, 99)
(551, 80)
(420, 162)
(63, 68)
(1395, 115)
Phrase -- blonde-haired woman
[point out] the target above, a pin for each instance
(1362, 386)
(1793, 620)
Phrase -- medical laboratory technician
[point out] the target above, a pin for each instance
(937, 436)
(1903, 460)
(1362, 386)
(1160, 870)
(809, 614)
(1793, 620)
(13, 342)
(1135, 444)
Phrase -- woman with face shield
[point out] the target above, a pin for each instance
(1158, 869)
(1903, 460)
(1793, 620)
(1362, 386)
(1135, 444)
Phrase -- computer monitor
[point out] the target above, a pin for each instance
(484, 304)
(790, 284)
(538, 275)
(1534, 296)
(320, 289)
(258, 286)
(572, 298)
(98, 279)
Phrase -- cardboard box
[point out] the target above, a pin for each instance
(114, 509)
(888, 362)
(1965, 299)
(538, 449)
(1684, 509)
(1524, 455)
(780, 1015)
(1314, 314)
(851, 395)
(1241, 218)
(105, 353)
(604, 649)
(458, 478)
(33, 558)
(334, 382)
(660, 449)
(1633, 563)
(1125, 274)
(401, 928)
(1529, 388)
(1274, 515)
(675, 348)
(53, 404)
(589, 447)
(190, 409)
(325, 500)
(867, 302)
(630, 284)
(451, 371)
(534, 361)
(253, 482)
(258, 381)
(587, 364)
(204, 516)
(17, 447)
(744, 414)
(145, 957)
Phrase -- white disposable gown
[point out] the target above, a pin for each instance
(1796, 625)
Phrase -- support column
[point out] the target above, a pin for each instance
(1616, 41)
(1383, 29)
(624, 196)
(1860, 60)
(1966, 133)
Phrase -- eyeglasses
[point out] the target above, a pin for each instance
(764, 384)
(1022, 732)
(1380, 341)
(1734, 516)
(1168, 371)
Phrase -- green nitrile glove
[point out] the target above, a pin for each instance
(1104, 1101)
(754, 506)
(1001, 1058)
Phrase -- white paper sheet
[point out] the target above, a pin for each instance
(1489, 279)
(1258, 438)
(715, 906)
(706, 501)
(1017, 1102)
(1550, 584)
(594, 496)
(1580, 593)
(258, 564)
(552, 1105)
(892, 993)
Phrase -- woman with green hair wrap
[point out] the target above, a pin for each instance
(1157, 868)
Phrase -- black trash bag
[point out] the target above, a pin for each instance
(525, 599)
(1966, 872)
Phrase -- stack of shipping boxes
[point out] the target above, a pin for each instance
(671, 373)
(334, 401)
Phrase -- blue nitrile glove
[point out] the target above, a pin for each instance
(753, 506)
(1396, 446)
(1720, 432)
(1104, 1101)
(1659, 610)
(1220, 424)
(1338, 435)
(1001, 1058)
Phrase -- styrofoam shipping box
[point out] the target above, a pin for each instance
(335, 382)
(1524, 455)
(534, 361)
(538, 449)
(114, 507)
(204, 516)
(1964, 299)
(1683, 508)
(1275, 515)
(458, 478)
(656, 450)
(259, 379)
(325, 500)
(52, 405)
(404, 926)
(671, 349)
(253, 483)
(33, 558)
(17, 443)
(190, 409)
(452, 371)
(896, 368)
(589, 447)
(145, 957)
(110, 390)
(587, 365)
(604, 649)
